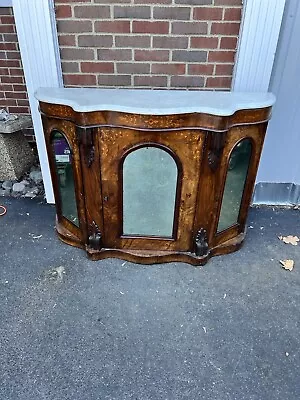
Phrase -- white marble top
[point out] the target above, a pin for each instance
(154, 102)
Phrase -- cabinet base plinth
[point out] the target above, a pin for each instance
(151, 257)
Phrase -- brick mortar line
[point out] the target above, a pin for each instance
(93, 20)
(150, 62)
(209, 26)
(172, 4)
(161, 5)
(193, 49)
(111, 10)
(189, 42)
(146, 5)
(152, 35)
(6, 92)
(136, 74)
(9, 68)
(114, 41)
(138, 34)
(223, 13)
(168, 81)
(175, 35)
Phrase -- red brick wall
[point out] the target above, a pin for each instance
(148, 43)
(131, 43)
(13, 94)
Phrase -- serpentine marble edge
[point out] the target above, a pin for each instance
(154, 102)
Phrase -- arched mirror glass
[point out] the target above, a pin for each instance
(234, 185)
(65, 178)
(149, 192)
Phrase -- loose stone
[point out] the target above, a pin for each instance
(36, 176)
(7, 184)
(18, 187)
(32, 192)
(25, 182)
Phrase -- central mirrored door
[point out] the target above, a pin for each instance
(150, 180)
(149, 199)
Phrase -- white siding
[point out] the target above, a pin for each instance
(281, 156)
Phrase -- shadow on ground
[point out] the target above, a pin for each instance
(77, 329)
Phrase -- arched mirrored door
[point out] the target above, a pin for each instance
(234, 185)
(150, 178)
(149, 199)
(65, 178)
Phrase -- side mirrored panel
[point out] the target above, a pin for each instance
(149, 192)
(234, 184)
(65, 178)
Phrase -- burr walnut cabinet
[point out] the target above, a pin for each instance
(153, 176)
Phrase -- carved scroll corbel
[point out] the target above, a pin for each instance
(201, 244)
(95, 237)
(216, 146)
(85, 137)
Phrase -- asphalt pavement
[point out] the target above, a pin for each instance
(77, 329)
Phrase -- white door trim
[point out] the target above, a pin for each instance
(257, 45)
(38, 42)
(5, 3)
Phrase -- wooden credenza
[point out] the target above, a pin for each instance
(153, 176)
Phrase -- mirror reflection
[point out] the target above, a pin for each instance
(234, 185)
(149, 192)
(65, 178)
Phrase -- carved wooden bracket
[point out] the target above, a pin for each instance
(201, 245)
(85, 137)
(217, 143)
(95, 236)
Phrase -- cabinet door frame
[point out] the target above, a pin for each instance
(68, 130)
(186, 148)
(255, 134)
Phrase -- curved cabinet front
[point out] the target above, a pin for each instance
(153, 188)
